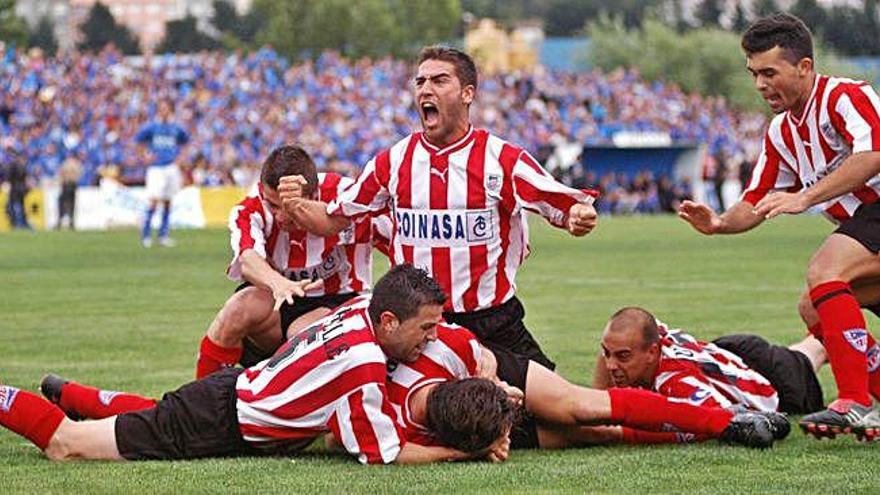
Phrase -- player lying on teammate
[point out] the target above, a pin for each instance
(271, 255)
(735, 370)
(558, 413)
(328, 378)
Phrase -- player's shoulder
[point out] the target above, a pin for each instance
(839, 86)
(452, 333)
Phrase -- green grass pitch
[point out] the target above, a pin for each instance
(99, 308)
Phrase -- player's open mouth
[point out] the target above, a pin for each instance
(430, 114)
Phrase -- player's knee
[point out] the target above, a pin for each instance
(806, 310)
(59, 447)
(820, 271)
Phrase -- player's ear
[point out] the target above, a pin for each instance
(388, 322)
(467, 94)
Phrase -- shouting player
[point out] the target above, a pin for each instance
(329, 378)
(459, 197)
(822, 149)
(164, 140)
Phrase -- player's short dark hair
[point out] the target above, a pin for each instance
(469, 414)
(289, 159)
(465, 68)
(635, 317)
(403, 290)
(783, 30)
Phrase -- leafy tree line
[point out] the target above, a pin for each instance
(707, 61)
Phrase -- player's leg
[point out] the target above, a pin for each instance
(561, 437)
(80, 401)
(813, 349)
(842, 259)
(172, 187)
(553, 399)
(153, 185)
(84, 440)
(790, 372)
(248, 312)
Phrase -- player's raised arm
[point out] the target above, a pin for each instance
(738, 218)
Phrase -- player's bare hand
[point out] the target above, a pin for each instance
(581, 219)
(288, 289)
(775, 204)
(292, 186)
(700, 216)
(513, 393)
(499, 451)
(488, 365)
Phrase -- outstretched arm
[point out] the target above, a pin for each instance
(738, 218)
(853, 173)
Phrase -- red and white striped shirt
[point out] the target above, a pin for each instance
(703, 374)
(327, 378)
(842, 117)
(344, 261)
(459, 212)
(454, 355)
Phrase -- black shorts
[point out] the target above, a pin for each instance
(197, 420)
(864, 226)
(251, 354)
(790, 372)
(503, 327)
(514, 369)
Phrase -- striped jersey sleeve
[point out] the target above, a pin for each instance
(249, 228)
(536, 190)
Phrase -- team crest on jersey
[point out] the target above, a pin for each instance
(873, 356)
(493, 182)
(7, 397)
(699, 395)
(857, 338)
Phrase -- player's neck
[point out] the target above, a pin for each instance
(797, 110)
(418, 404)
(457, 134)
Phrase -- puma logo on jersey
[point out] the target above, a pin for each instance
(440, 173)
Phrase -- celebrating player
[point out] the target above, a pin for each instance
(559, 412)
(459, 198)
(164, 140)
(735, 370)
(821, 149)
(329, 378)
(271, 255)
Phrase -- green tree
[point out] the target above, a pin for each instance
(12, 27)
(708, 12)
(303, 28)
(101, 29)
(43, 36)
(740, 18)
(183, 36)
(242, 29)
(705, 61)
(813, 15)
(765, 7)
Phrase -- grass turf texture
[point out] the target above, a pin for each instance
(98, 308)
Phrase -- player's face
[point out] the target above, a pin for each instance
(274, 200)
(405, 340)
(164, 110)
(442, 102)
(782, 84)
(629, 362)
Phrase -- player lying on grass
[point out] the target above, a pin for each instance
(557, 413)
(329, 378)
(735, 370)
(438, 401)
(271, 254)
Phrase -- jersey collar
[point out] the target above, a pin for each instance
(461, 143)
